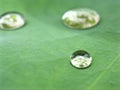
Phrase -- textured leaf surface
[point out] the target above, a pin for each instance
(36, 57)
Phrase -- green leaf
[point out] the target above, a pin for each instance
(37, 56)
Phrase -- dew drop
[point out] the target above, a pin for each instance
(81, 18)
(11, 21)
(81, 59)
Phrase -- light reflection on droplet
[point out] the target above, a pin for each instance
(81, 59)
(80, 18)
(11, 21)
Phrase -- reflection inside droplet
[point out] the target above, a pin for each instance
(81, 18)
(11, 20)
(81, 59)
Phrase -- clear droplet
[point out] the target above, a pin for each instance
(11, 21)
(81, 59)
(81, 18)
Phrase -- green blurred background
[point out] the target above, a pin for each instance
(37, 56)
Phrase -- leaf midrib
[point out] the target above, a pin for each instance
(102, 74)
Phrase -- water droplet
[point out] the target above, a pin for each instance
(81, 59)
(81, 18)
(11, 21)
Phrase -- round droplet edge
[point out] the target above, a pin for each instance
(70, 27)
(84, 67)
(14, 12)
